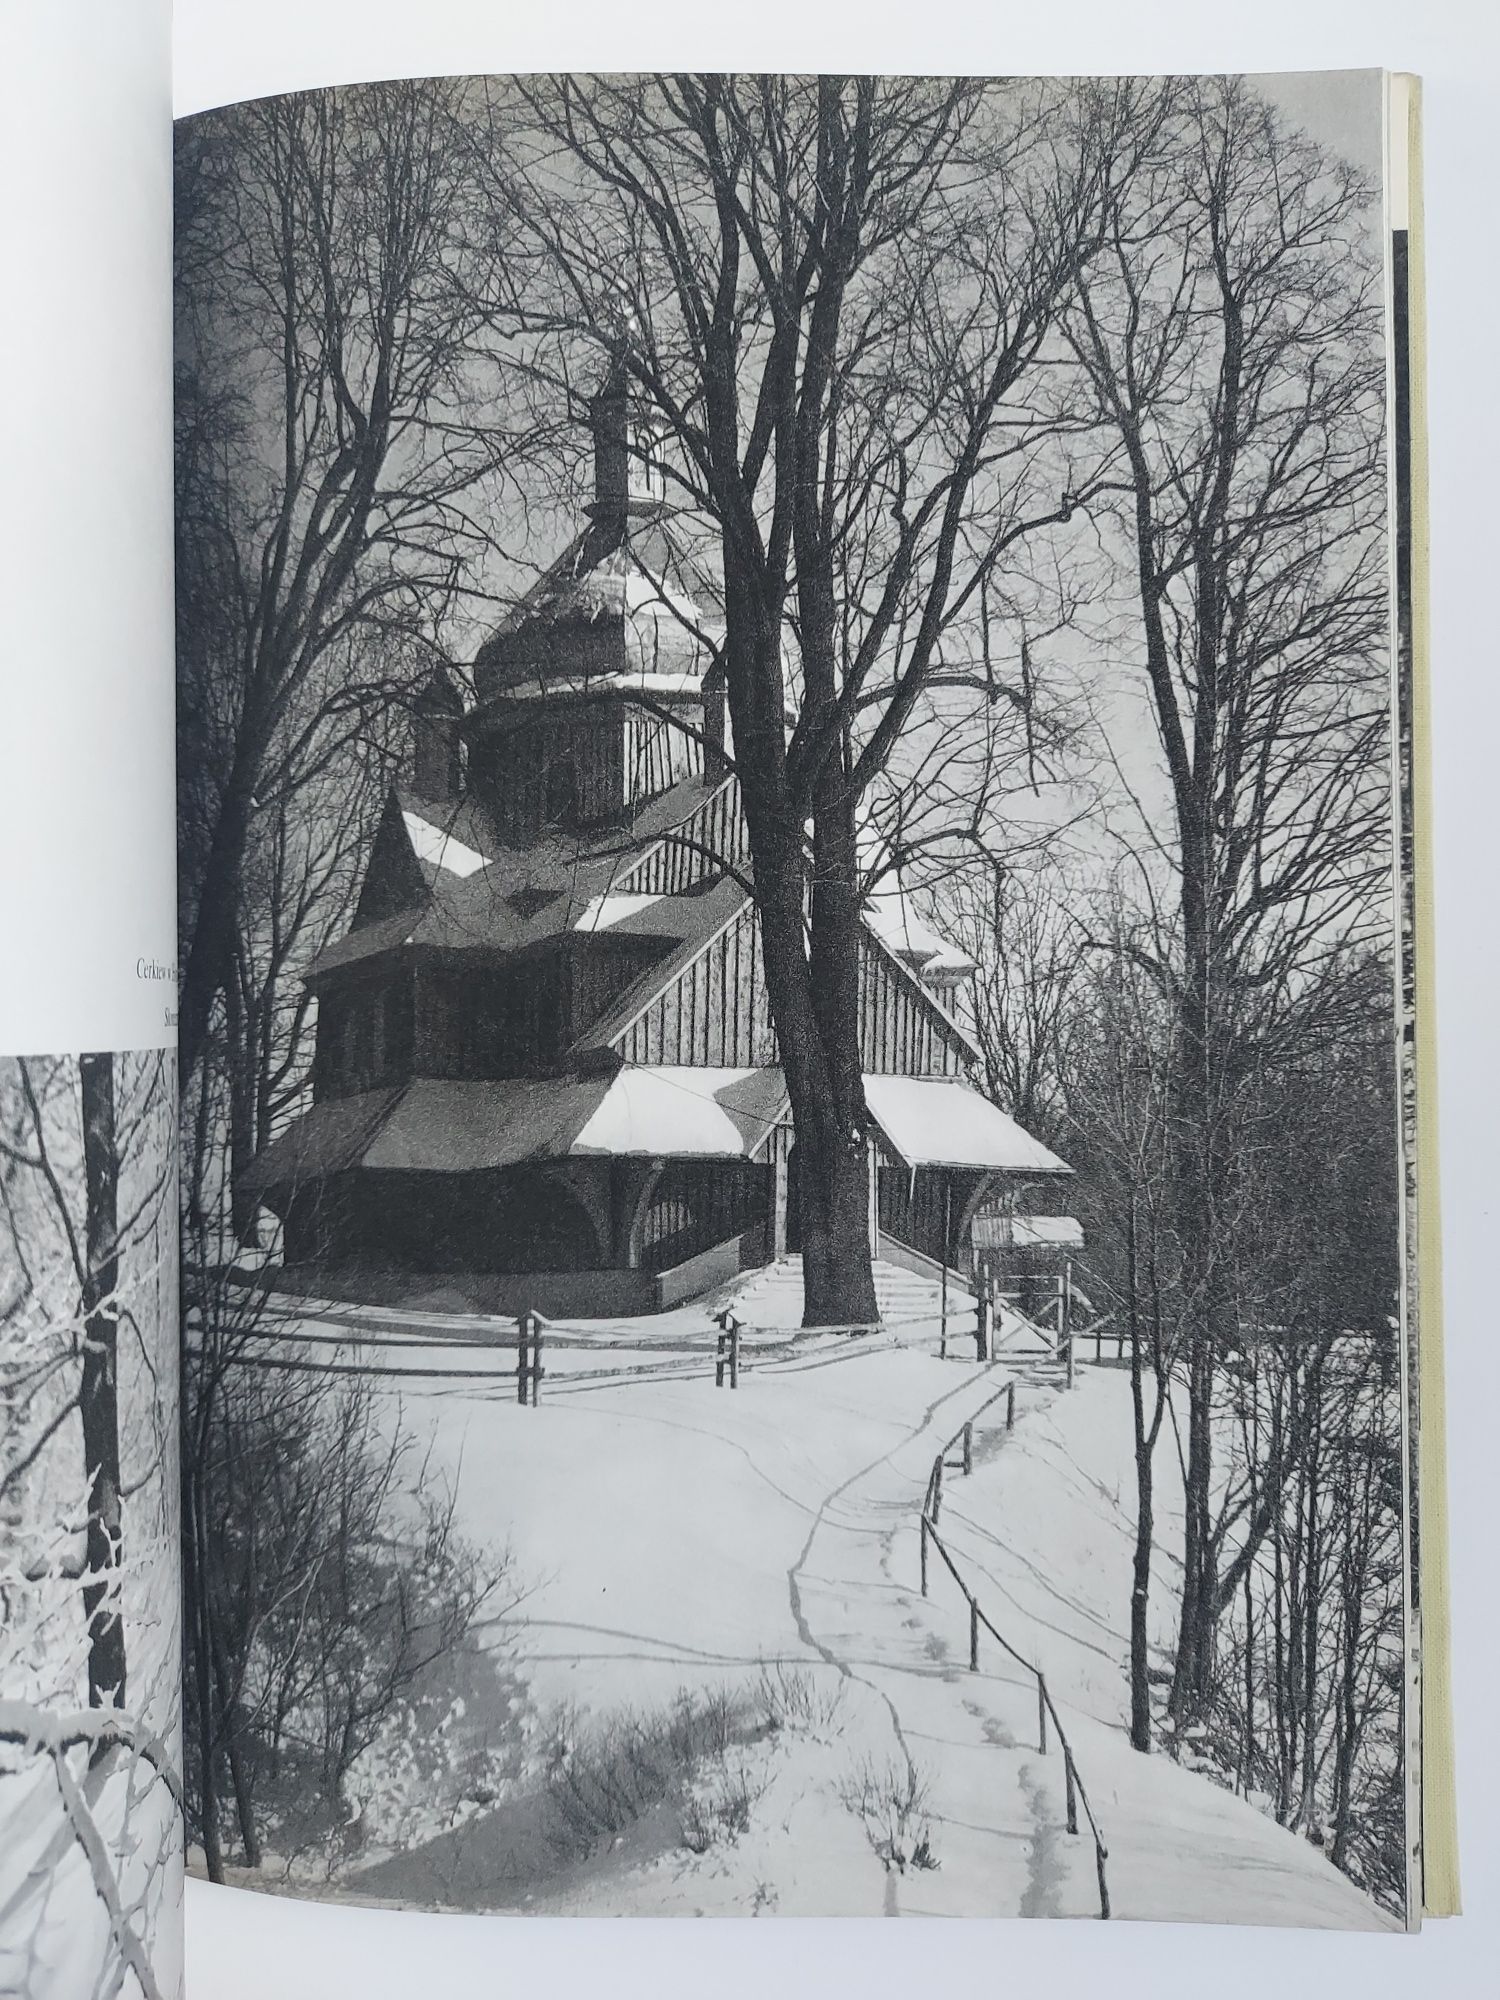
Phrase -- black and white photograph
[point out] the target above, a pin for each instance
(796, 1007)
(91, 1836)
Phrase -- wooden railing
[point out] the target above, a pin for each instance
(932, 1505)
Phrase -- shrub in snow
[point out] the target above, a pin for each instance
(891, 1801)
(603, 1779)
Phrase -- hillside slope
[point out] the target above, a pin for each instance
(677, 1537)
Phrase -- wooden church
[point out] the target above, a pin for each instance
(545, 1071)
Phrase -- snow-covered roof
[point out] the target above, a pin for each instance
(510, 897)
(602, 913)
(1027, 1232)
(933, 1121)
(473, 1125)
(651, 609)
(543, 686)
(662, 1110)
(442, 849)
(935, 959)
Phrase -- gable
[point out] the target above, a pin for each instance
(709, 1006)
(903, 1029)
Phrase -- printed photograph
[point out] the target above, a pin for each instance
(791, 1012)
(91, 1841)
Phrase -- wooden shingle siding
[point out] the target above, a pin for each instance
(902, 1032)
(602, 969)
(696, 851)
(698, 1203)
(714, 1013)
(658, 755)
(364, 1036)
(565, 770)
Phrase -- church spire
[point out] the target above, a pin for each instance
(628, 484)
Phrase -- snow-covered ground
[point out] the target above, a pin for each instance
(671, 1536)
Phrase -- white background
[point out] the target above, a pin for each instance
(86, 806)
(244, 1947)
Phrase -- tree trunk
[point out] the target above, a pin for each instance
(240, 1068)
(209, 960)
(810, 948)
(199, 1615)
(838, 1282)
(98, 1400)
(1198, 1174)
(1140, 1588)
(229, 1711)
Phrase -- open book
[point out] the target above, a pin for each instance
(768, 1247)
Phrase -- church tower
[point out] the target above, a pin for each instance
(591, 694)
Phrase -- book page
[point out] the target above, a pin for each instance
(91, 1844)
(236, 59)
(791, 808)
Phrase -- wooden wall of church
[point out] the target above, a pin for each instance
(518, 1018)
(697, 851)
(714, 1013)
(582, 765)
(560, 771)
(658, 755)
(901, 1031)
(697, 1203)
(365, 1034)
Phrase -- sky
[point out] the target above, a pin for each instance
(1340, 108)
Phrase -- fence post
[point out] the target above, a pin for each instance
(924, 1555)
(983, 1337)
(969, 1447)
(734, 1354)
(1072, 1792)
(1070, 1361)
(947, 1247)
(719, 1359)
(1010, 1406)
(523, 1333)
(937, 1489)
(1103, 1885)
(1041, 1713)
(973, 1635)
(536, 1359)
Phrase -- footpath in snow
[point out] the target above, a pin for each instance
(671, 1537)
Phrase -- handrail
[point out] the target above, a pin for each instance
(931, 1508)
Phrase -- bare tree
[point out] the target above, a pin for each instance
(828, 296)
(325, 447)
(324, 1572)
(88, 1557)
(1230, 333)
(1030, 951)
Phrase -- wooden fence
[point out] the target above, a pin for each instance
(529, 1369)
(731, 1328)
(932, 1505)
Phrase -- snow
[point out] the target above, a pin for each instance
(936, 959)
(711, 1113)
(441, 850)
(602, 913)
(642, 680)
(674, 1536)
(1020, 1232)
(936, 1121)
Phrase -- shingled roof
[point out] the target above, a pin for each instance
(471, 892)
(653, 608)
